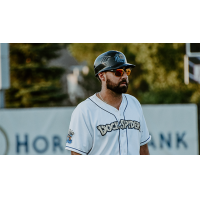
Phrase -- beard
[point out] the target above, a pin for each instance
(116, 87)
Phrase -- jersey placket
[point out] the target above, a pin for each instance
(122, 135)
(123, 142)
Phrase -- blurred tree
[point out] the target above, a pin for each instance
(166, 75)
(33, 83)
(157, 78)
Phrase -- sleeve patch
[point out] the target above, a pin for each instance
(69, 136)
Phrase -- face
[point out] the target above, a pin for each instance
(117, 84)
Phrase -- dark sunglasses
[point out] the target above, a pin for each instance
(120, 72)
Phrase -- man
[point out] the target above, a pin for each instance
(109, 122)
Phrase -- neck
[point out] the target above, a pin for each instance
(110, 97)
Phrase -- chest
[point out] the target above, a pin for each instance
(116, 132)
(104, 122)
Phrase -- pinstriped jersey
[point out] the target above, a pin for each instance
(97, 128)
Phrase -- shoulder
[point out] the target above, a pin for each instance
(134, 103)
(132, 99)
(85, 106)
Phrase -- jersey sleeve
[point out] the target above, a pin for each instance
(145, 137)
(79, 138)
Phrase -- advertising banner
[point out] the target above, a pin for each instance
(174, 129)
(36, 131)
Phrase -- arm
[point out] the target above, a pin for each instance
(144, 150)
(79, 138)
(74, 153)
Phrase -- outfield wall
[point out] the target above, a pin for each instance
(174, 130)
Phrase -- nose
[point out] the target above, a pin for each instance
(125, 76)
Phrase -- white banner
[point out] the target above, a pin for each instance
(44, 130)
(34, 131)
(174, 129)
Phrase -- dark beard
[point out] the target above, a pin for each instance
(116, 87)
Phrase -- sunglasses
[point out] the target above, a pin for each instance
(120, 72)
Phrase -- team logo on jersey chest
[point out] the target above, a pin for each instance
(130, 124)
(69, 136)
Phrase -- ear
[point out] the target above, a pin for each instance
(102, 76)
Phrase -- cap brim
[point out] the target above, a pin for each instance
(125, 65)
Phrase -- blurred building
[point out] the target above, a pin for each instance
(70, 80)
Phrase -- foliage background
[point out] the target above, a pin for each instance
(33, 83)
(158, 77)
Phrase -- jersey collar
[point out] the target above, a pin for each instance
(108, 107)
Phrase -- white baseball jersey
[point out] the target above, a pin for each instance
(97, 128)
